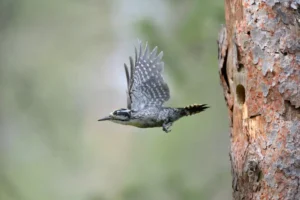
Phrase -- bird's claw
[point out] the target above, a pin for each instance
(167, 127)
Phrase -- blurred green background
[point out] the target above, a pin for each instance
(61, 68)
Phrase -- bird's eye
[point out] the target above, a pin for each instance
(115, 112)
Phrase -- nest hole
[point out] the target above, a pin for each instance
(241, 94)
(240, 68)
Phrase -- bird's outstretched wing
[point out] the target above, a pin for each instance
(146, 86)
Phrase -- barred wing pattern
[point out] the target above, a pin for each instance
(146, 86)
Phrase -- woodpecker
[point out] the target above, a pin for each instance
(147, 92)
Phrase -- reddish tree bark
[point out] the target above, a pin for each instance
(259, 65)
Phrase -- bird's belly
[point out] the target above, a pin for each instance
(144, 123)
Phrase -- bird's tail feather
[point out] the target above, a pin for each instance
(194, 109)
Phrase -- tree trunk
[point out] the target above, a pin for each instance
(259, 66)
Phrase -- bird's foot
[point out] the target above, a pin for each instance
(167, 127)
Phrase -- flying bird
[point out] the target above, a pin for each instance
(147, 92)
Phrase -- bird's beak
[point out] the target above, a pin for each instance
(105, 118)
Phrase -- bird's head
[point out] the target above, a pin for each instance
(120, 115)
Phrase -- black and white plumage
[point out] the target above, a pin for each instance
(146, 85)
(147, 92)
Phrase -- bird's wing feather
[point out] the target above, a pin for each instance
(128, 85)
(146, 85)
